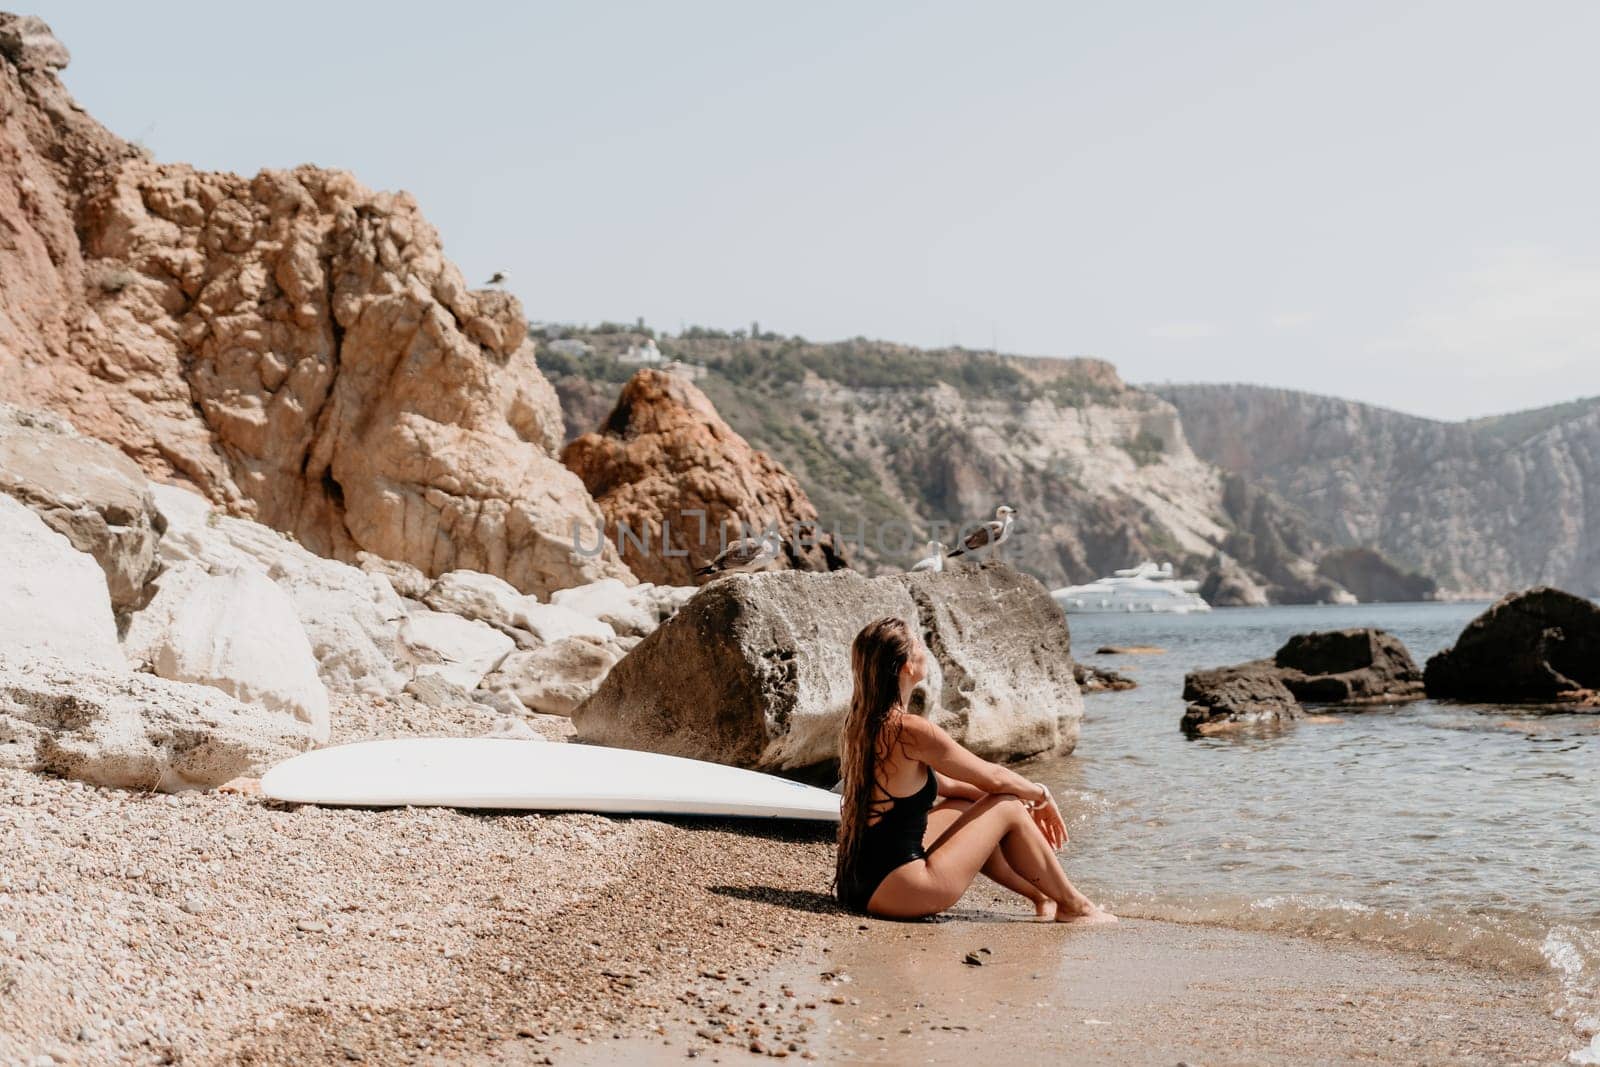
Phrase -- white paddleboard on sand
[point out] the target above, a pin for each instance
(489, 772)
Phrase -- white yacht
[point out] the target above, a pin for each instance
(1147, 587)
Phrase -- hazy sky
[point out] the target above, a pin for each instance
(1393, 202)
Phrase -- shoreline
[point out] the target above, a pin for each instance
(227, 929)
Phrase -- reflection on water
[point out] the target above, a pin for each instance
(1472, 830)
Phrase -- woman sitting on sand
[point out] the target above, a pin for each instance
(921, 816)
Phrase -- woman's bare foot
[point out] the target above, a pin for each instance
(250, 787)
(1083, 910)
(1044, 910)
(1095, 916)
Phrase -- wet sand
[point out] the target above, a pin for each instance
(1140, 992)
(1162, 993)
(225, 929)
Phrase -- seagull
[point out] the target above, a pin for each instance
(497, 278)
(745, 555)
(934, 561)
(991, 534)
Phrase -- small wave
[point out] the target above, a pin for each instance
(1506, 942)
(1574, 954)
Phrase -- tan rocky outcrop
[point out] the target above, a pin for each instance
(665, 462)
(294, 344)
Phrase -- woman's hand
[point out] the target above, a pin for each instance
(1047, 817)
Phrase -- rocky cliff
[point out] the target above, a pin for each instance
(896, 445)
(677, 484)
(294, 345)
(1481, 506)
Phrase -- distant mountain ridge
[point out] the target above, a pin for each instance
(898, 439)
(1481, 506)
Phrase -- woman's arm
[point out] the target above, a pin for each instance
(950, 787)
(928, 743)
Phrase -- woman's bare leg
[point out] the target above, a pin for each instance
(940, 819)
(960, 853)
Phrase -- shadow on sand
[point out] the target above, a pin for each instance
(795, 899)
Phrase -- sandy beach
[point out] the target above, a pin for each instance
(207, 928)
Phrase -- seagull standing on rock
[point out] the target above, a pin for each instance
(934, 560)
(497, 278)
(991, 534)
(745, 555)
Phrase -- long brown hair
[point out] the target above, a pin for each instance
(871, 728)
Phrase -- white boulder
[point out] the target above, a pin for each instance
(630, 610)
(555, 622)
(135, 731)
(53, 599)
(555, 678)
(86, 490)
(236, 632)
(458, 650)
(351, 617)
(474, 595)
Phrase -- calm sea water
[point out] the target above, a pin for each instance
(1467, 830)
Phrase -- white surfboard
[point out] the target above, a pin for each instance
(490, 772)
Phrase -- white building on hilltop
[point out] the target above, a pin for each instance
(642, 355)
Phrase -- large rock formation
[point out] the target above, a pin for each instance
(293, 344)
(1541, 646)
(666, 467)
(1347, 668)
(1482, 506)
(755, 670)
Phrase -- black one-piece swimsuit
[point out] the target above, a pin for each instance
(893, 841)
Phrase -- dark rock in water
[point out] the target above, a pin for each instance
(1100, 679)
(1359, 666)
(1250, 693)
(1372, 578)
(754, 670)
(1129, 650)
(1347, 667)
(1534, 647)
